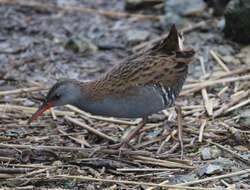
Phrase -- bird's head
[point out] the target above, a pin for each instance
(62, 93)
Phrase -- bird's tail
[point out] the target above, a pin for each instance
(174, 40)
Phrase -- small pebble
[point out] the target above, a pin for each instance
(137, 36)
(213, 169)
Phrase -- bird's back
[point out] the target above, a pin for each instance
(154, 77)
(168, 69)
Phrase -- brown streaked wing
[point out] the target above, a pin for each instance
(143, 71)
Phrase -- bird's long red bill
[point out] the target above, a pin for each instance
(42, 109)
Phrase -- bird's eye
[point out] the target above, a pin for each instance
(57, 96)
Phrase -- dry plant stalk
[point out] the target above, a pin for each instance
(207, 102)
(80, 141)
(131, 182)
(162, 162)
(12, 108)
(165, 141)
(53, 114)
(162, 183)
(198, 86)
(144, 169)
(78, 9)
(77, 149)
(224, 108)
(92, 130)
(6, 159)
(37, 166)
(238, 156)
(203, 124)
(147, 143)
(238, 105)
(215, 82)
(180, 127)
(218, 60)
(236, 94)
(210, 178)
(223, 90)
(216, 177)
(111, 120)
(22, 90)
(231, 73)
(8, 176)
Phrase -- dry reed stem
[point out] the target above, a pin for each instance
(219, 61)
(39, 166)
(31, 187)
(165, 141)
(10, 108)
(236, 94)
(203, 124)
(78, 9)
(192, 107)
(232, 130)
(224, 107)
(162, 183)
(192, 111)
(207, 83)
(244, 85)
(216, 177)
(191, 88)
(53, 114)
(150, 127)
(201, 59)
(205, 77)
(14, 170)
(225, 183)
(77, 149)
(188, 162)
(6, 159)
(238, 156)
(223, 90)
(30, 174)
(154, 175)
(144, 169)
(243, 103)
(146, 143)
(7, 176)
(208, 104)
(90, 129)
(231, 73)
(111, 120)
(160, 162)
(80, 141)
(131, 182)
(22, 90)
(231, 187)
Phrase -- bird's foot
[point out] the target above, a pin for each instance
(124, 144)
(180, 128)
(167, 125)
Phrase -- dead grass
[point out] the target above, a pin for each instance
(72, 148)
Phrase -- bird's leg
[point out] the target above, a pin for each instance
(134, 132)
(179, 118)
